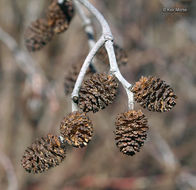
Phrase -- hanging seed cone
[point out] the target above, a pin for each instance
(131, 131)
(154, 94)
(97, 92)
(72, 74)
(121, 55)
(37, 35)
(60, 15)
(43, 154)
(77, 129)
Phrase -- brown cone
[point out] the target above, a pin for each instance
(37, 35)
(154, 94)
(97, 92)
(131, 131)
(121, 55)
(77, 129)
(60, 15)
(43, 154)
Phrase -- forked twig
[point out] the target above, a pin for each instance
(107, 39)
(162, 152)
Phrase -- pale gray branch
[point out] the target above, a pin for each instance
(88, 28)
(161, 151)
(105, 27)
(24, 61)
(107, 34)
(187, 178)
(8, 167)
(87, 24)
(35, 76)
(84, 68)
(107, 39)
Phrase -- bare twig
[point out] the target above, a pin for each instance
(35, 76)
(7, 165)
(84, 68)
(187, 178)
(110, 49)
(88, 28)
(87, 24)
(21, 57)
(161, 151)
(107, 39)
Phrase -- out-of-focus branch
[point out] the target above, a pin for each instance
(187, 178)
(87, 24)
(35, 76)
(24, 61)
(7, 165)
(167, 3)
(88, 28)
(161, 151)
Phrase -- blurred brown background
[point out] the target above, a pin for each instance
(157, 43)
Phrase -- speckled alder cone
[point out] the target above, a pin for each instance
(41, 31)
(59, 15)
(38, 34)
(154, 94)
(77, 129)
(97, 92)
(43, 154)
(131, 131)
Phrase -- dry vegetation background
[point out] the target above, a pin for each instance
(157, 43)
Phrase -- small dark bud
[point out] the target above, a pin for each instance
(37, 35)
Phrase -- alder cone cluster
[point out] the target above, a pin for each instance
(43, 154)
(38, 34)
(154, 94)
(77, 129)
(97, 92)
(131, 131)
(59, 15)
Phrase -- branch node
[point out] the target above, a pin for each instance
(112, 72)
(108, 37)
